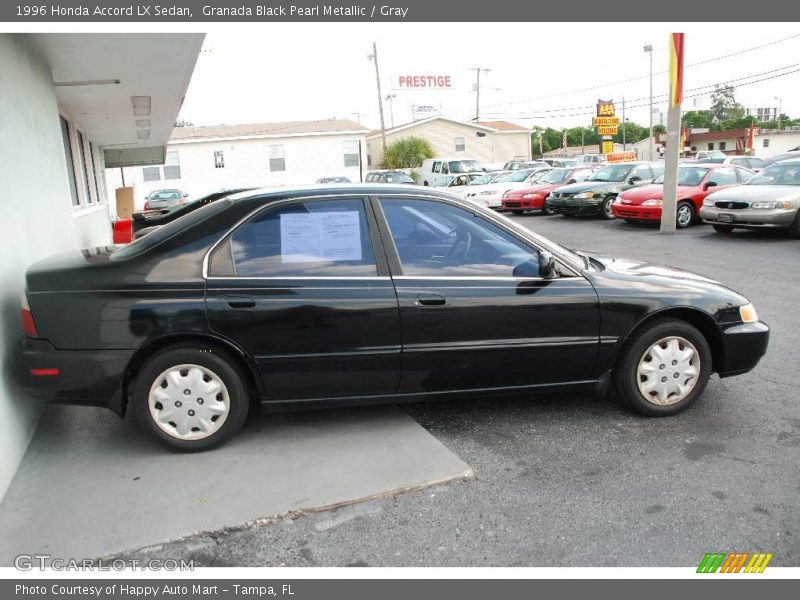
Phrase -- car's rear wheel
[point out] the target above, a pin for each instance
(605, 209)
(664, 368)
(723, 228)
(685, 215)
(190, 398)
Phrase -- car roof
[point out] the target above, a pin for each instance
(788, 161)
(330, 189)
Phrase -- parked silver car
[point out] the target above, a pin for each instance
(771, 199)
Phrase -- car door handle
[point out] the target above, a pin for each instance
(431, 300)
(240, 301)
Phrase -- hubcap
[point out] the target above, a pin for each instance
(607, 208)
(188, 402)
(684, 216)
(668, 371)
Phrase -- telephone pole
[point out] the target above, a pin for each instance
(390, 98)
(478, 90)
(374, 57)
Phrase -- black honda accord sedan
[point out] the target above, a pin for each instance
(351, 294)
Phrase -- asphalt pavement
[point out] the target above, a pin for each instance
(577, 481)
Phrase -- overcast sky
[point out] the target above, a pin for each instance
(554, 72)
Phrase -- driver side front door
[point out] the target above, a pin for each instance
(474, 312)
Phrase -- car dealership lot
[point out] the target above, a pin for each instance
(573, 481)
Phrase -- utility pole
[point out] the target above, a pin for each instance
(374, 57)
(779, 120)
(670, 193)
(390, 98)
(649, 49)
(478, 90)
(624, 145)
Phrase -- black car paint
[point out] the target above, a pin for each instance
(360, 340)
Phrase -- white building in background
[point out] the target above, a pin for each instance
(488, 142)
(67, 111)
(210, 158)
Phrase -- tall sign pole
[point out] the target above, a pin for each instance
(674, 138)
(374, 57)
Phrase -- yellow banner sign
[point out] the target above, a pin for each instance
(605, 121)
(607, 146)
(605, 108)
(607, 130)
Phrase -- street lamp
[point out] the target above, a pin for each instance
(649, 50)
(390, 98)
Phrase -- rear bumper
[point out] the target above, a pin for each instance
(87, 377)
(750, 217)
(743, 346)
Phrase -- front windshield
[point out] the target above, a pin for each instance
(443, 181)
(516, 176)
(688, 176)
(555, 176)
(398, 177)
(463, 166)
(778, 174)
(611, 173)
(483, 179)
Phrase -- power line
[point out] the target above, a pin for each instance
(640, 77)
(663, 95)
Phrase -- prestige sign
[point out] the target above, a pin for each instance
(417, 81)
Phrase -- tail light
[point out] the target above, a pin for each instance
(28, 324)
(147, 206)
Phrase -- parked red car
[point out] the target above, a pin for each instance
(695, 182)
(532, 198)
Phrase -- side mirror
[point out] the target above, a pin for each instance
(547, 265)
(709, 184)
(635, 179)
(572, 181)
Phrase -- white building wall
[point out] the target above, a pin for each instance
(38, 218)
(247, 164)
(778, 141)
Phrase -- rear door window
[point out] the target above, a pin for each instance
(311, 238)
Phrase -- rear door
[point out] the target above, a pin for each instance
(303, 287)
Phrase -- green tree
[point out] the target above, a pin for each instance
(697, 119)
(723, 104)
(406, 153)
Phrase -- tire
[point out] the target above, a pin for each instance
(202, 367)
(653, 391)
(723, 228)
(425, 183)
(517, 212)
(794, 228)
(605, 209)
(548, 210)
(685, 215)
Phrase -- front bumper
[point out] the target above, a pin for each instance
(636, 212)
(575, 206)
(743, 345)
(487, 201)
(86, 377)
(750, 217)
(518, 202)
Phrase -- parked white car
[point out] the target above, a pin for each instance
(491, 194)
(432, 168)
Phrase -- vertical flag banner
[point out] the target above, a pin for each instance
(675, 69)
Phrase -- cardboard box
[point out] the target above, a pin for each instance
(125, 206)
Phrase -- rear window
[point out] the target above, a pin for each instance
(167, 231)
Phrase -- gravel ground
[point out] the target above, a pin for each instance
(576, 481)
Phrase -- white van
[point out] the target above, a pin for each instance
(433, 168)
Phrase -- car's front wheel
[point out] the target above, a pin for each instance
(548, 210)
(685, 215)
(190, 397)
(664, 368)
(605, 209)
